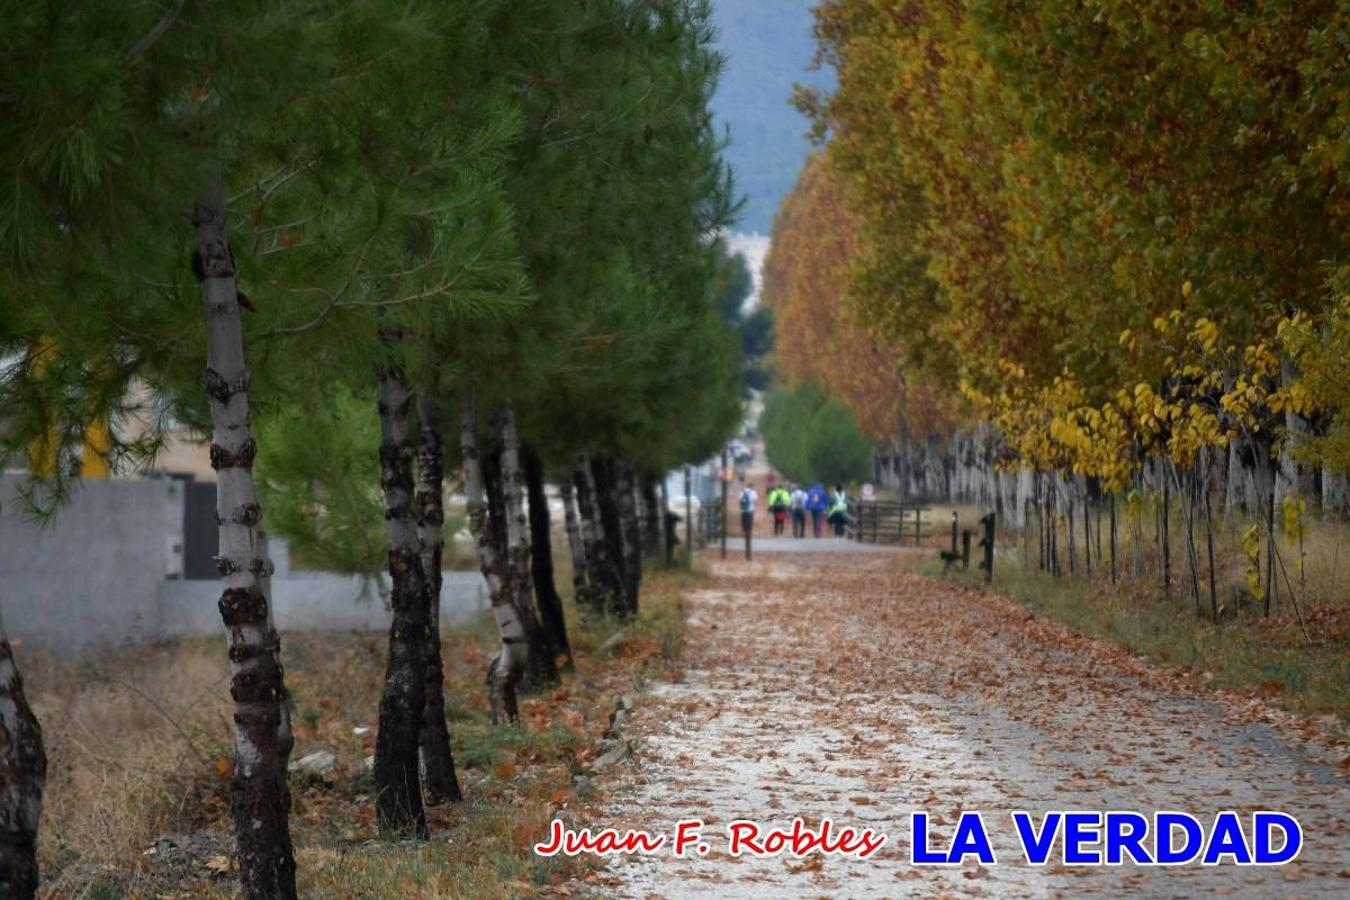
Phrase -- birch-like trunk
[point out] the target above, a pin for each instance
(509, 664)
(1073, 554)
(540, 668)
(1233, 481)
(905, 463)
(541, 557)
(600, 523)
(1113, 538)
(438, 762)
(575, 545)
(632, 534)
(1209, 545)
(262, 743)
(651, 511)
(617, 540)
(1292, 478)
(398, 790)
(667, 537)
(23, 774)
(1334, 492)
(640, 507)
(1165, 531)
(1186, 499)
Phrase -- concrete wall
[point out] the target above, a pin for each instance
(313, 601)
(91, 572)
(104, 571)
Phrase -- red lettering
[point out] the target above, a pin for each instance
(743, 834)
(823, 837)
(686, 833)
(745, 837)
(573, 843)
(577, 842)
(554, 842)
(844, 843)
(870, 843)
(644, 842)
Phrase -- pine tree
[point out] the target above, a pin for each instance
(512, 208)
(121, 128)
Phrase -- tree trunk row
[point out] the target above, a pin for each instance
(620, 521)
(505, 481)
(554, 625)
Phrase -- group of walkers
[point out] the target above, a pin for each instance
(795, 502)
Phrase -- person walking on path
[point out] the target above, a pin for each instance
(816, 504)
(797, 505)
(839, 510)
(748, 499)
(778, 505)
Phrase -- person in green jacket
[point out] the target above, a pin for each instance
(779, 501)
(838, 515)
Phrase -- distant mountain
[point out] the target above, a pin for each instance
(769, 47)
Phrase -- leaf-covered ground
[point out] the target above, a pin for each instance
(839, 684)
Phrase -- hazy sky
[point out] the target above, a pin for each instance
(768, 46)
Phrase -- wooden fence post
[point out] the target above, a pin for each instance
(988, 544)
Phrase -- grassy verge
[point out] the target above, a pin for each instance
(139, 748)
(1308, 673)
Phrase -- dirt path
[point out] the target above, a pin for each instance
(835, 684)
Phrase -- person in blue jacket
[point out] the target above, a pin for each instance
(817, 501)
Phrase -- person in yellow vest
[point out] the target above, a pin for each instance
(779, 501)
(838, 515)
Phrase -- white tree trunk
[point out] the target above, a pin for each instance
(509, 665)
(262, 738)
(398, 788)
(438, 763)
(576, 548)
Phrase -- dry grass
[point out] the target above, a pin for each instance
(139, 746)
(131, 743)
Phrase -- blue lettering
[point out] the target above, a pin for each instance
(971, 839)
(1262, 822)
(1227, 839)
(920, 855)
(1081, 828)
(1168, 853)
(1125, 833)
(1035, 846)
